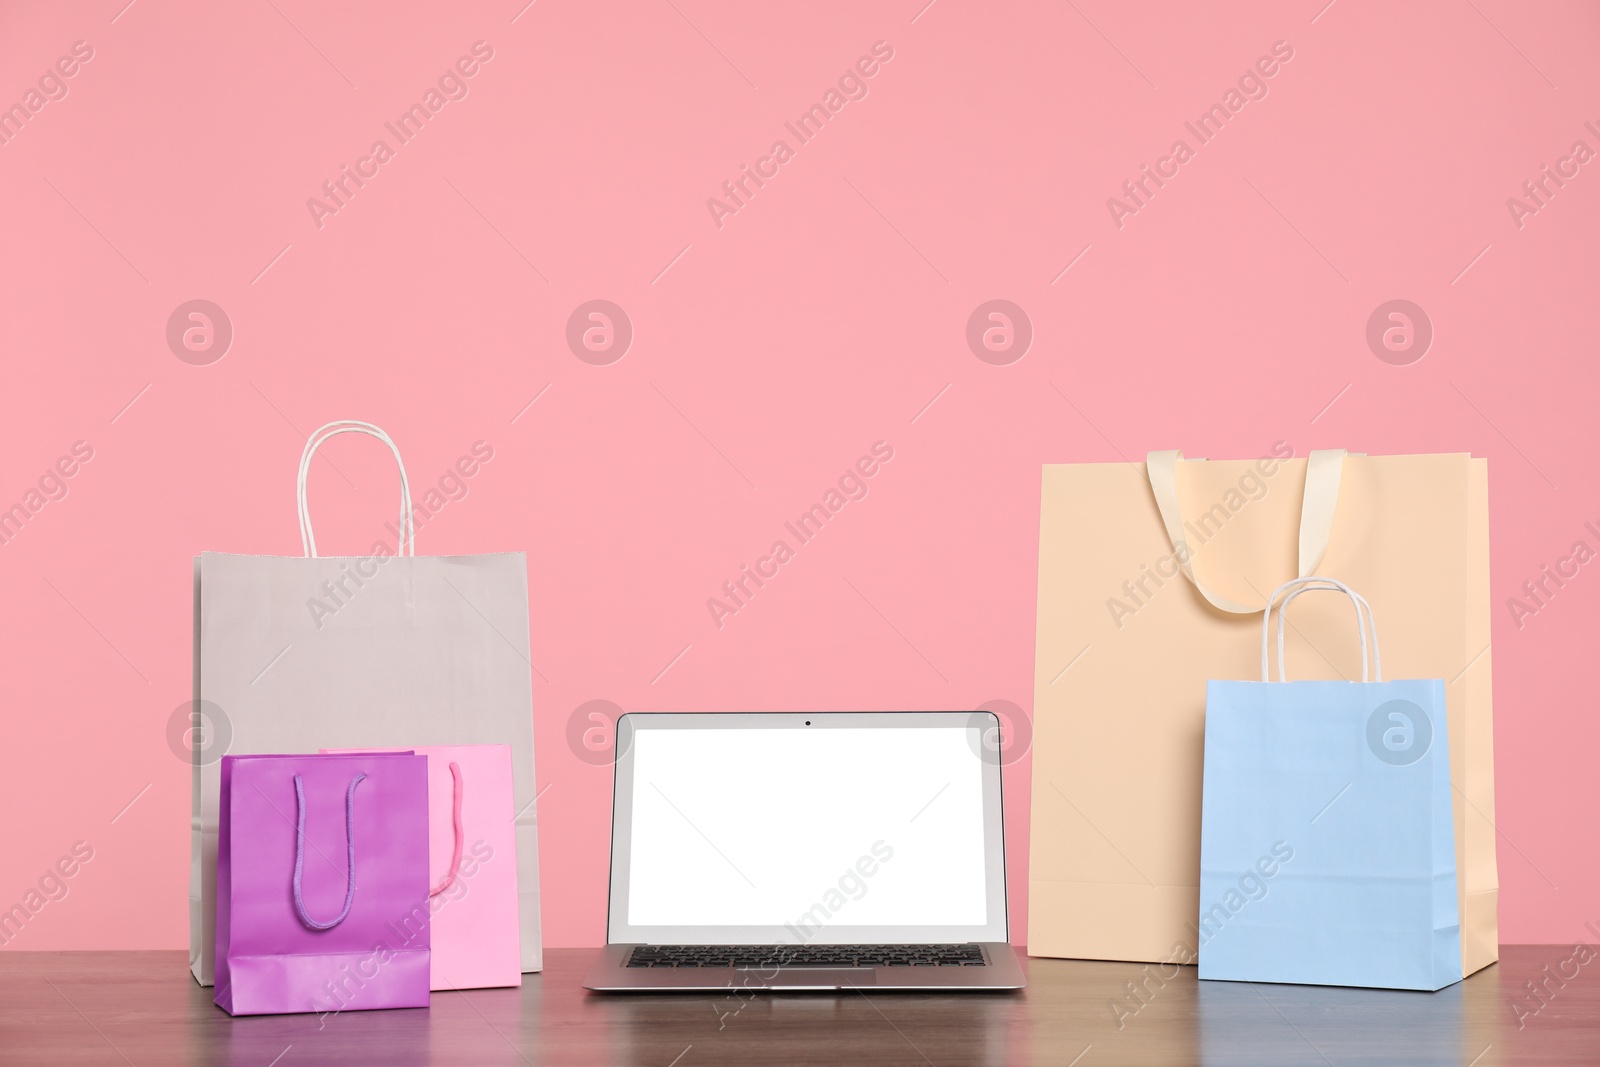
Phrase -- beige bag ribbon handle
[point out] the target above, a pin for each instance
(1324, 468)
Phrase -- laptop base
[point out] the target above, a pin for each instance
(611, 974)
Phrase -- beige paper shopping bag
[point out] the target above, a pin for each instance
(1151, 582)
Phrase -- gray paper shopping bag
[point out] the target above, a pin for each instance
(388, 650)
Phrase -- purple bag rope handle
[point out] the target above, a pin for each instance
(300, 852)
(455, 860)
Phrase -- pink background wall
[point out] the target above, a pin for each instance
(769, 352)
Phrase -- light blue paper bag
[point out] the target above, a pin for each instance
(1327, 847)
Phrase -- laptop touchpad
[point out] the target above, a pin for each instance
(824, 977)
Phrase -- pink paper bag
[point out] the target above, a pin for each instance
(322, 884)
(472, 864)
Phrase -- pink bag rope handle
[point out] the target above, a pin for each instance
(300, 852)
(455, 815)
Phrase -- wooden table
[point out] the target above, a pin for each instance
(143, 1008)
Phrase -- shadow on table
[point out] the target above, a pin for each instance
(812, 1028)
(1246, 1023)
(399, 1037)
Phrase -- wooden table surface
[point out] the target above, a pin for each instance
(143, 1008)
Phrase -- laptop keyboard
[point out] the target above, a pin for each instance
(806, 956)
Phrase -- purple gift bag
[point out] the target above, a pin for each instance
(322, 883)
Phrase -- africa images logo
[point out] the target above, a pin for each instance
(199, 332)
(599, 332)
(1399, 732)
(1399, 332)
(999, 332)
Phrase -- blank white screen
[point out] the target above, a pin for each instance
(760, 827)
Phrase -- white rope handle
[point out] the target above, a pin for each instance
(1365, 620)
(1324, 469)
(308, 540)
(1298, 586)
(1366, 623)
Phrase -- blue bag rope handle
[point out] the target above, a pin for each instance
(300, 852)
(1365, 622)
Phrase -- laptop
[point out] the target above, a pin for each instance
(794, 851)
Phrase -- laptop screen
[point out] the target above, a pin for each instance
(819, 831)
